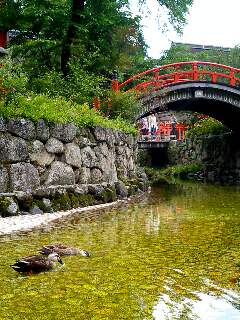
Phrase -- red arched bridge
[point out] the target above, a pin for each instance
(209, 88)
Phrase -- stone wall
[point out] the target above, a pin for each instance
(39, 161)
(220, 156)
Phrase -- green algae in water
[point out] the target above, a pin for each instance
(167, 257)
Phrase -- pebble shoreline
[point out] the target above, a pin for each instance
(29, 222)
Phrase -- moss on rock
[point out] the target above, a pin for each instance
(86, 200)
(8, 207)
(108, 195)
(4, 204)
(74, 200)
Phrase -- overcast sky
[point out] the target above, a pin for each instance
(210, 22)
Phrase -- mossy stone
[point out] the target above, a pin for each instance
(86, 200)
(8, 207)
(25, 205)
(108, 195)
(74, 200)
(61, 202)
(4, 204)
(133, 189)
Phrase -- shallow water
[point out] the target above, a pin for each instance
(173, 255)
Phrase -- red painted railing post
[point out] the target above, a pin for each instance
(214, 77)
(96, 103)
(115, 85)
(195, 71)
(232, 77)
(176, 77)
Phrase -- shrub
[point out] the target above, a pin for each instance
(58, 110)
(208, 126)
(182, 170)
(13, 80)
(119, 104)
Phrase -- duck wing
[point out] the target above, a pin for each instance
(46, 250)
(61, 249)
(34, 264)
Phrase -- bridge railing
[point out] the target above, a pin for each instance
(173, 73)
(164, 133)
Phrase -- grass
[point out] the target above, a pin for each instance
(59, 110)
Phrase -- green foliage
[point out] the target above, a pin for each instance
(208, 126)
(181, 52)
(108, 195)
(85, 41)
(4, 204)
(80, 86)
(119, 104)
(182, 170)
(58, 110)
(86, 200)
(158, 176)
(13, 80)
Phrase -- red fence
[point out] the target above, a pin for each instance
(165, 75)
(164, 132)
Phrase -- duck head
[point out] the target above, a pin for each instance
(55, 257)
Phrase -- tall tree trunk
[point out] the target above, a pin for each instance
(77, 10)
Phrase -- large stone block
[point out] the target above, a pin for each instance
(84, 175)
(100, 134)
(104, 135)
(4, 179)
(121, 189)
(39, 155)
(53, 145)
(60, 174)
(13, 149)
(96, 175)
(23, 128)
(3, 126)
(73, 155)
(64, 132)
(24, 177)
(102, 149)
(88, 157)
(42, 131)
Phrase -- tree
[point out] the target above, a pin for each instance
(97, 11)
(77, 10)
(181, 52)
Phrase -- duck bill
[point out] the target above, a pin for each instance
(60, 261)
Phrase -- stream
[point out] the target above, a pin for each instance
(173, 255)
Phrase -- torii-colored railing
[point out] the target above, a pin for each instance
(179, 72)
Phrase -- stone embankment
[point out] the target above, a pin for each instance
(219, 155)
(47, 168)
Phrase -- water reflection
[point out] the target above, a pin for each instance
(148, 261)
(204, 307)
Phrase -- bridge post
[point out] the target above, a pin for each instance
(115, 85)
(96, 103)
(195, 71)
(232, 77)
(115, 81)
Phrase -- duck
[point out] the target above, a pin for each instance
(63, 250)
(36, 263)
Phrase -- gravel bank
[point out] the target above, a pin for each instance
(29, 222)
